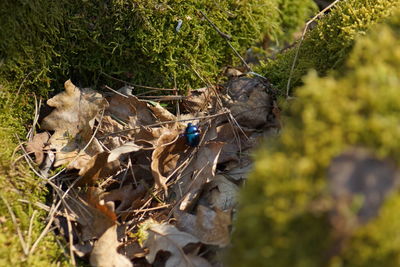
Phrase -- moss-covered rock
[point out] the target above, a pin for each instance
(137, 41)
(327, 46)
(286, 208)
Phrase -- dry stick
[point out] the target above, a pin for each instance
(14, 220)
(137, 85)
(165, 97)
(115, 91)
(20, 87)
(301, 41)
(30, 229)
(29, 135)
(162, 123)
(227, 38)
(71, 241)
(154, 91)
(154, 208)
(53, 210)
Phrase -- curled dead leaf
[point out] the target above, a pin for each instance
(126, 195)
(36, 146)
(168, 152)
(130, 110)
(165, 237)
(200, 170)
(97, 167)
(104, 253)
(222, 193)
(248, 101)
(72, 121)
(209, 226)
(123, 149)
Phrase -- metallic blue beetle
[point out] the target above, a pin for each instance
(192, 135)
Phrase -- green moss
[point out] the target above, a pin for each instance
(327, 46)
(17, 183)
(277, 224)
(135, 40)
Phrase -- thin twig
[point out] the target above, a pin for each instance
(20, 87)
(162, 123)
(71, 239)
(154, 208)
(115, 91)
(300, 43)
(137, 85)
(14, 220)
(30, 229)
(228, 38)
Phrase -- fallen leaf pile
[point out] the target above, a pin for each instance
(129, 188)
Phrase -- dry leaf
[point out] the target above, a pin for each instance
(126, 195)
(125, 148)
(36, 146)
(169, 150)
(209, 226)
(199, 100)
(222, 193)
(130, 110)
(162, 114)
(96, 168)
(108, 126)
(72, 121)
(104, 253)
(93, 216)
(133, 250)
(165, 237)
(200, 171)
(235, 141)
(249, 102)
(240, 172)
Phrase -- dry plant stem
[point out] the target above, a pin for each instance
(19, 88)
(137, 85)
(14, 220)
(30, 229)
(227, 38)
(54, 208)
(165, 97)
(153, 91)
(162, 123)
(71, 239)
(115, 91)
(301, 41)
(41, 206)
(29, 135)
(151, 209)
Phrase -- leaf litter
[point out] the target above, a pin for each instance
(131, 190)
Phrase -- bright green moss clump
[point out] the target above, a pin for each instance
(137, 40)
(327, 46)
(278, 223)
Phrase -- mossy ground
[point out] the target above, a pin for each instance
(18, 183)
(328, 45)
(136, 41)
(43, 43)
(359, 107)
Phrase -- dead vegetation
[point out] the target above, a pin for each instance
(128, 188)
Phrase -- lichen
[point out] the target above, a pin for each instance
(277, 225)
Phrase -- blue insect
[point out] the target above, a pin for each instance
(192, 134)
